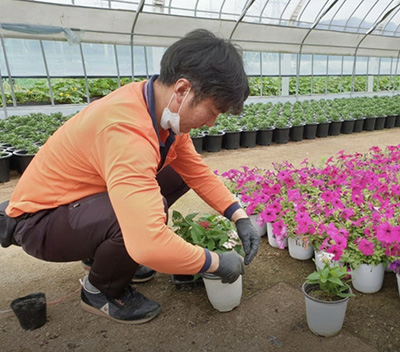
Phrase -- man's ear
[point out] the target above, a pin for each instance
(182, 85)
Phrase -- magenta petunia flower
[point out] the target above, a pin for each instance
(366, 247)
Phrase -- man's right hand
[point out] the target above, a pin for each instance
(231, 266)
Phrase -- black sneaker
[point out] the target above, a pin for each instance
(131, 308)
(143, 273)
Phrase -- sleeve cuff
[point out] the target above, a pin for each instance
(207, 263)
(231, 209)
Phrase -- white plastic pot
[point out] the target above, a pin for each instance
(271, 239)
(298, 250)
(398, 282)
(324, 318)
(223, 297)
(261, 230)
(368, 278)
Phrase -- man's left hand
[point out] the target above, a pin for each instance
(249, 237)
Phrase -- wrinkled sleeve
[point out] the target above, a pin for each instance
(137, 201)
(201, 179)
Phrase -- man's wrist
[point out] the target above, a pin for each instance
(214, 262)
(239, 214)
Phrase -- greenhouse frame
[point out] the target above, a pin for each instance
(285, 40)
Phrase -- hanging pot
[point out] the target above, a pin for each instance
(298, 249)
(324, 318)
(223, 297)
(261, 230)
(368, 278)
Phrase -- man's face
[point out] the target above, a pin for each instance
(202, 114)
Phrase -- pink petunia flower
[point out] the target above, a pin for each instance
(366, 247)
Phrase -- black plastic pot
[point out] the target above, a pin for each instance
(296, 133)
(397, 121)
(22, 159)
(334, 128)
(213, 142)
(390, 121)
(5, 166)
(186, 281)
(358, 125)
(198, 143)
(380, 122)
(281, 135)
(248, 139)
(310, 131)
(369, 123)
(13, 159)
(264, 137)
(347, 127)
(323, 129)
(231, 140)
(30, 310)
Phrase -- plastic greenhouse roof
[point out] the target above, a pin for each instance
(334, 27)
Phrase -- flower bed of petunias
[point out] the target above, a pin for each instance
(348, 206)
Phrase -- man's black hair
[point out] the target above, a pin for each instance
(213, 66)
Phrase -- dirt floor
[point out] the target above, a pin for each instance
(271, 316)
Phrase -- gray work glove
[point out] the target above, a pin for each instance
(230, 266)
(249, 237)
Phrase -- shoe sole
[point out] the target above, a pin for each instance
(134, 280)
(98, 312)
(144, 279)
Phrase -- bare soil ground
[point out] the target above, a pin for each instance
(271, 316)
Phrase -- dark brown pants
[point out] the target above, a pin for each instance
(88, 228)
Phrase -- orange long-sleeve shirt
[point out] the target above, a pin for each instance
(112, 146)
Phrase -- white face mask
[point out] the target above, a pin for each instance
(172, 119)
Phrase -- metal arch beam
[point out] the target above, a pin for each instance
(330, 23)
(396, 30)
(263, 9)
(139, 9)
(195, 8)
(359, 26)
(381, 19)
(351, 15)
(298, 15)
(382, 29)
(304, 39)
(246, 8)
(220, 10)
(283, 11)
